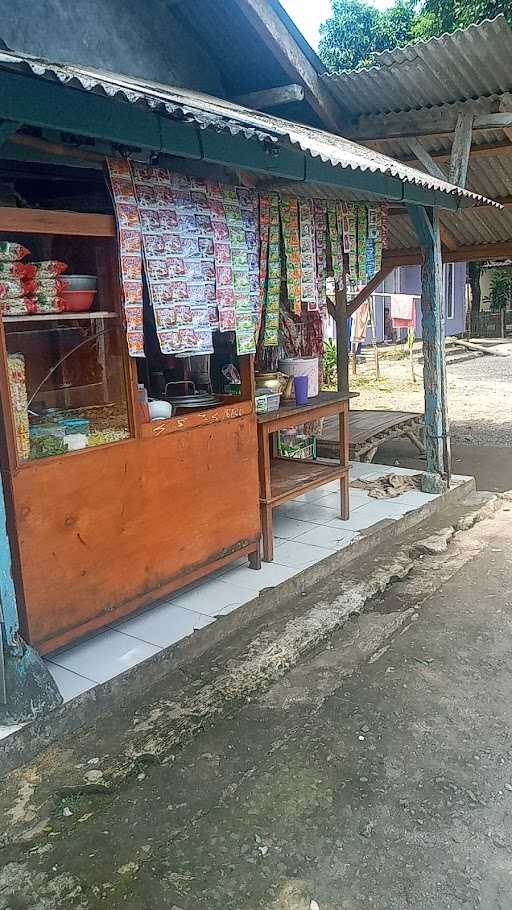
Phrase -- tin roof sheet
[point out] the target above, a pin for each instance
(208, 112)
(467, 64)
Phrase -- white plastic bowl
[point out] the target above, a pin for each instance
(79, 282)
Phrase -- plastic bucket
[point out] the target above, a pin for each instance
(300, 385)
(302, 366)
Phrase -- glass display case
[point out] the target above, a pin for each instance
(66, 362)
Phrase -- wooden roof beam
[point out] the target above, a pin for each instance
(272, 97)
(425, 159)
(459, 160)
(280, 42)
(414, 256)
(488, 114)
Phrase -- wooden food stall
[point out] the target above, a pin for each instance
(139, 509)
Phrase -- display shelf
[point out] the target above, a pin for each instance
(290, 477)
(51, 317)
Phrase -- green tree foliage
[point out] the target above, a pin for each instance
(357, 30)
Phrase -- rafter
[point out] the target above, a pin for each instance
(473, 253)
(272, 97)
(459, 160)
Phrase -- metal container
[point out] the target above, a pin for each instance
(195, 401)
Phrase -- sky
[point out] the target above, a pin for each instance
(308, 14)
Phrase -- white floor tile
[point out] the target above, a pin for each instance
(105, 656)
(311, 495)
(164, 624)
(357, 469)
(230, 608)
(288, 528)
(211, 597)
(332, 500)
(312, 512)
(253, 580)
(414, 499)
(6, 731)
(70, 684)
(334, 538)
(368, 515)
(299, 555)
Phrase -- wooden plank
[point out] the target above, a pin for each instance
(340, 317)
(41, 221)
(291, 409)
(501, 250)
(369, 288)
(291, 477)
(482, 150)
(447, 238)
(420, 153)
(288, 52)
(272, 97)
(426, 122)
(364, 425)
(51, 317)
(459, 159)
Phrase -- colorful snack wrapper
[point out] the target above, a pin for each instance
(10, 251)
(130, 247)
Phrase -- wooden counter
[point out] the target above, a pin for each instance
(104, 531)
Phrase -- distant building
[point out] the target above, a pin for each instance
(407, 280)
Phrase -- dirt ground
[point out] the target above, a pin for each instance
(371, 775)
(479, 395)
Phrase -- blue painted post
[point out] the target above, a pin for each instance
(437, 442)
(9, 607)
(27, 689)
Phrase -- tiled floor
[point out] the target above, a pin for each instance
(306, 530)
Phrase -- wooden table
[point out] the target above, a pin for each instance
(369, 429)
(282, 479)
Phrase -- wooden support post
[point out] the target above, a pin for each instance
(461, 147)
(341, 339)
(426, 224)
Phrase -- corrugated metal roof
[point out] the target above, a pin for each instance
(208, 112)
(469, 63)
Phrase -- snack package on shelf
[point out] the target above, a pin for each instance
(19, 403)
(10, 251)
(49, 268)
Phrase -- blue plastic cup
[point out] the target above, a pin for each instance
(300, 385)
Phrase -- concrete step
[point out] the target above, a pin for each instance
(151, 716)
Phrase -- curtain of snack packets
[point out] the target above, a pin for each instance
(213, 258)
(200, 245)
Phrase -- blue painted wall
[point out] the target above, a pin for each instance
(410, 283)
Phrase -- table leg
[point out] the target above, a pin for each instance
(344, 461)
(266, 529)
(255, 559)
(264, 444)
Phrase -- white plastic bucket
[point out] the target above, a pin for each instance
(302, 366)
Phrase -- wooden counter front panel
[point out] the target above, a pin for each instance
(101, 531)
